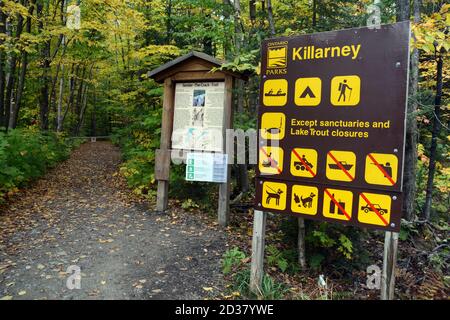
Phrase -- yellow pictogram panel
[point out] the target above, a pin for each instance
(304, 199)
(374, 209)
(341, 165)
(337, 204)
(270, 160)
(381, 169)
(308, 92)
(345, 90)
(277, 57)
(275, 92)
(273, 125)
(274, 195)
(304, 162)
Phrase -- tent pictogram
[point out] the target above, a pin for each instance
(381, 169)
(374, 208)
(341, 165)
(337, 204)
(274, 195)
(304, 162)
(308, 92)
(304, 199)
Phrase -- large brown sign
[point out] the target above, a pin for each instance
(332, 119)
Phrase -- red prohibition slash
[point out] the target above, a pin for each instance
(381, 169)
(272, 163)
(304, 163)
(338, 205)
(374, 209)
(341, 167)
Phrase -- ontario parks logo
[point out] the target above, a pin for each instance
(277, 58)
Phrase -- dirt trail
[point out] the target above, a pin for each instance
(79, 214)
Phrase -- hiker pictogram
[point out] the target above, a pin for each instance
(270, 160)
(374, 208)
(343, 87)
(304, 199)
(273, 125)
(274, 195)
(341, 165)
(345, 90)
(308, 92)
(337, 204)
(275, 92)
(381, 169)
(304, 162)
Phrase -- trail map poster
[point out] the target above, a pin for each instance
(198, 116)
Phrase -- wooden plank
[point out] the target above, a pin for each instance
(162, 164)
(225, 188)
(389, 265)
(301, 243)
(258, 244)
(198, 76)
(166, 135)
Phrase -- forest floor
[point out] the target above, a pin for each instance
(81, 214)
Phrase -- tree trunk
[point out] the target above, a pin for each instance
(252, 10)
(301, 243)
(314, 13)
(169, 22)
(270, 16)
(434, 139)
(45, 76)
(409, 178)
(23, 71)
(10, 77)
(2, 65)
(402, 8)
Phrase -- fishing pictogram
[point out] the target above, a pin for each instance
(273, 125)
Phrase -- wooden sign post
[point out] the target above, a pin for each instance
(181, 77)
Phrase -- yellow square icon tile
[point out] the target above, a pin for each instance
(271, 160)
(345, 90)
(374, 209)
(274, 195)
(337, 204)
(275, 92)
(304, 199)
(304, 162)
(273, 125)
(341, 165)
(308, 92)
(277, 57)
(381, 169)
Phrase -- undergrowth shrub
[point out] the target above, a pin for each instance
(26, 154)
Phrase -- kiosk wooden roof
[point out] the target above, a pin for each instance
(194, 65)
